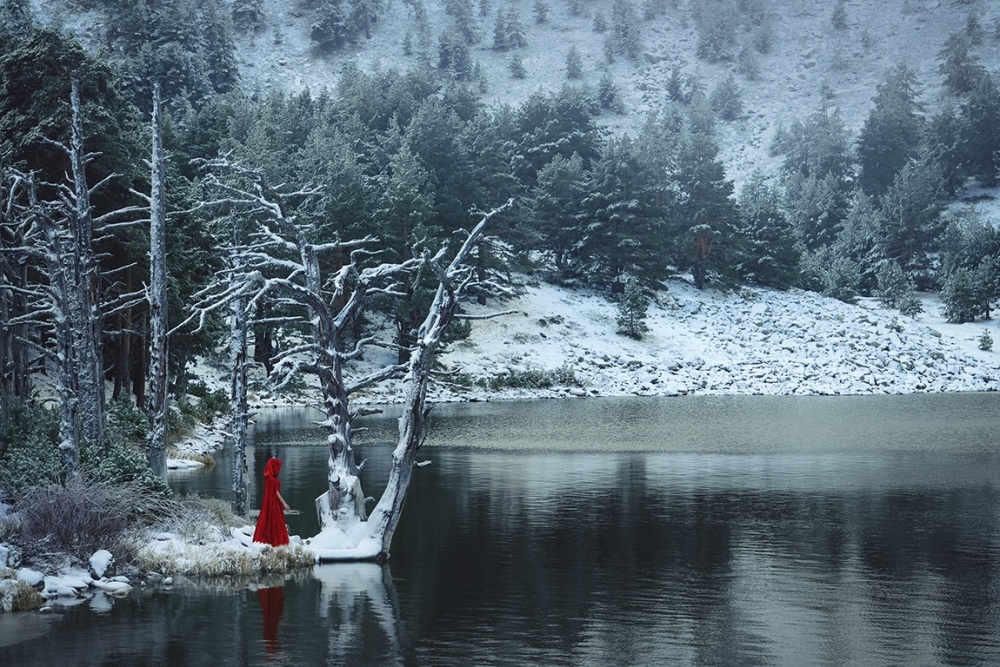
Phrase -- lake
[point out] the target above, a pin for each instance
(688, 531)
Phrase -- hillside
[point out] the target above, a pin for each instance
(809, 65)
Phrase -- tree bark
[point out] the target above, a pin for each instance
(238, 404)
(156, 441)
(84, 307)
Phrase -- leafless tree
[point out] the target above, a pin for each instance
(276, 258)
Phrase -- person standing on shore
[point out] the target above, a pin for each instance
(271, 527)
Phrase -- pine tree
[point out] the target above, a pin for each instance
(892, 132)
(911, 211)
(716, 22)
(817, 147)
(747, 63)
(541, 11)
(555, 205)
(839, 17)
(625, 216)
(632, 307)
(816, 207)
(958, 294)
(943, 141)
(16, 19)
(600, 23)
(574, 63)
(546, 125)
(707, 214)
(726, 99)
(329, 29)
(517, 67)
(980, 132)
(675, 85)
(858, 239)
(961, 70)
(220, 52)
(892, 284)
(248, 15)
(514, 30)
(462, 13)
(766, 246)
(607, 92)
(624, 38)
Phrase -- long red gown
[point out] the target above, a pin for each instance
(271, 522)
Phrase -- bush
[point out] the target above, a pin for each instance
(517, 67)
(84, 516)
(532, 378)
(986, 341)
(910, 306)
(124, 443)
(211, 401)
(29, 450)
(18, 595)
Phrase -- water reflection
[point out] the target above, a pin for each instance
(851, 547)
(351, 595)
(272, 605)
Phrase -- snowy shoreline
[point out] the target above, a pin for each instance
(749, 341)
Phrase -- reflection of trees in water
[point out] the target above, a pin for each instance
(359, 604)
(601, 557)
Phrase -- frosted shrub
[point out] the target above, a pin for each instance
(84, 516)
(726, 99)
(985, 341)
(532, 378)
(517, 67)
(910, 306)
(29, 455)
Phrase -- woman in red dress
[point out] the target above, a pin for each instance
(271, 527)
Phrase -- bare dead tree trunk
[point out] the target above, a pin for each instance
(14, 332)
(84, 306)
(156, 440)
(452, 283)
(239, 414)
(59, 257)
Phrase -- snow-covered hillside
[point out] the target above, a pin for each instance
(810, 65)
(750, 341)
(808, 57)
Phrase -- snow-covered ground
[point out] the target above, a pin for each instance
(747, 341)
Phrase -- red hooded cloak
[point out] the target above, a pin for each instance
(271, 522)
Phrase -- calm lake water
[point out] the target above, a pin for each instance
(688, 531)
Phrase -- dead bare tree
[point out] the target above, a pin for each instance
(56, 236)
(156, 440)
(15, 355)
(278, 259)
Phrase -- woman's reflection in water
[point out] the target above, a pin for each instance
(272, 604)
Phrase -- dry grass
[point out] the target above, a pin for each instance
(203, 525)
(26, 598)
(22, 598)
(222, 560)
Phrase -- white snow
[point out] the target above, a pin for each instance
(746, 341)
(29, 576)
(101, 561)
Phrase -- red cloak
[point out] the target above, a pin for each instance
(271, 522)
